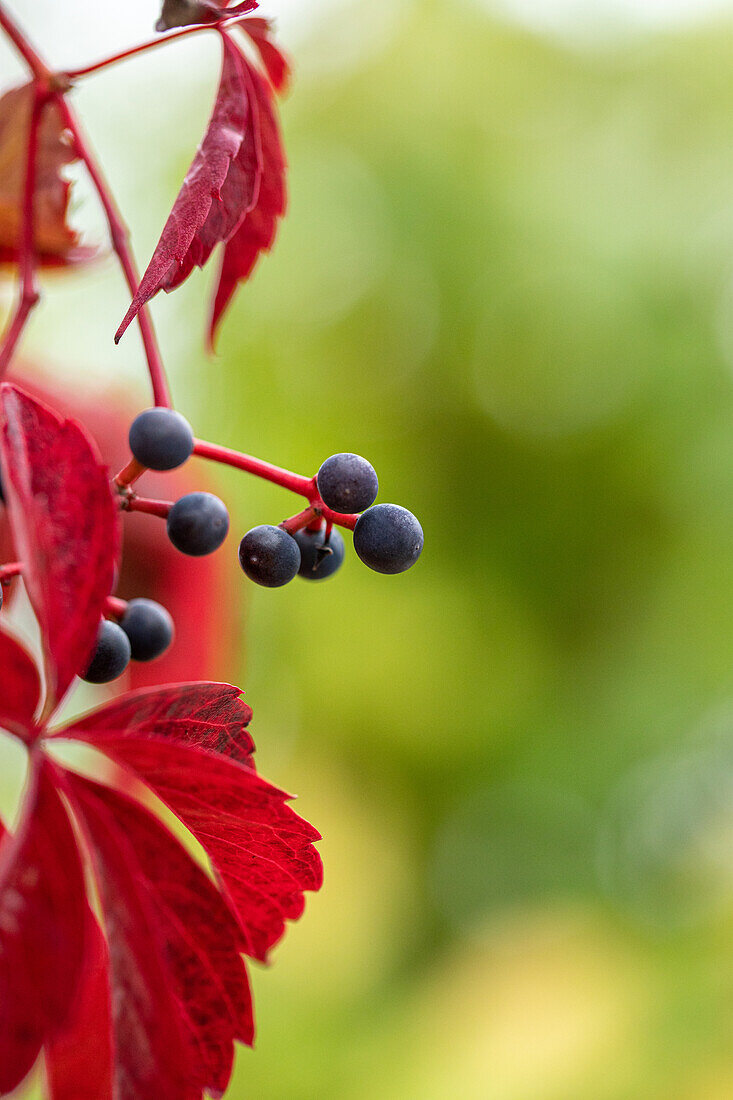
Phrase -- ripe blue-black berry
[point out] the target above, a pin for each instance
(149, 629)
(347, 483)
(319, 559)
(161, 439)
(111, 655)
(198, 524)
(269, 556)
(388, 538)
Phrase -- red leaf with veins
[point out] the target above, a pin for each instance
(256, 232)
(79, 1058)
(21, 687)
(152, 1057)
(274, 60)
(260, 848)
(42, 907)
(208, 716)
(206, 211)
(65, 527)
(199, 939)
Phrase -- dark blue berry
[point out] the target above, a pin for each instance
(161, 439)
(319, 559)
(198, 524)
(347, 483)
(388, 538)
(149, 629)
(269, 556)
(2, 497)
(111, 655)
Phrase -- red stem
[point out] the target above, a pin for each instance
(152, 507)
(115, 608)
(303, 519)
(7, 572)
(119, 236)
(27, 266)
(36, 65)
(306, 486)
(88, 70)
(132, 471)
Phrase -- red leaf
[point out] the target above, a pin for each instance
(42, 906)
(65, 527)
(79, 1058)
(151, 1055)
(208, 716)
(206, 211)
(261, 850)
(54, 240)
(20, 687)
(274, 60)
(257, 231)
(186, 921)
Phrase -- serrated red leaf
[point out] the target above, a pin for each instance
(55, 242)
(65, 527)
(193, 930)
(152, 1057)
(256, 233)
(42, 907)
(206, 211)
(261, 850)
(208, 716)
(274, 60)
(79, 1058)
(21, 687)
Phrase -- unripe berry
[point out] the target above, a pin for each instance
(388, 538)
(347, 483)
(111, 655)
(198, 524)
(161, 439)
(149, 629)
(319, 559)
(269, 556)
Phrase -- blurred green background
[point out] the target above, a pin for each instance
(507, 279)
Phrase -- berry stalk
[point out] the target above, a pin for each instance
(305, 486)
(159, 508)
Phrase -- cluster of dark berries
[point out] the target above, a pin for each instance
(144, 632)
(387, 537)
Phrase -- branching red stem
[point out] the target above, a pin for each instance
(27, 265)
(119, 237)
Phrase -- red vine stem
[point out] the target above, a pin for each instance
(296, 483)
(38, 68)
(127, 477)
(119, 237)
(27, 268)
(88, 70)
